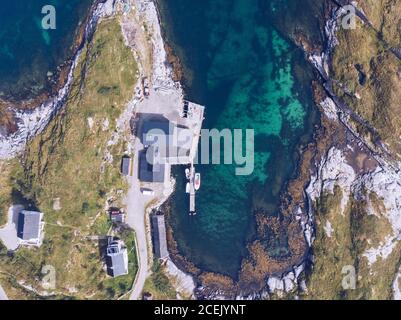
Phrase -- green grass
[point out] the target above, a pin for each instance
(5, 189)
(354, 232)
(102, 224)
(331, 254)
(65, 162)
(380, 96)
(158, 284)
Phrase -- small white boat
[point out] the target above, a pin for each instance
(197, 181)
(187, 173)
(187, 188)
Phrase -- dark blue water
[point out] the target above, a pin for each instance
(27, 51)
(250, 76)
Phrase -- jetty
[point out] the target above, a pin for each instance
(192, 210)
(194, 114)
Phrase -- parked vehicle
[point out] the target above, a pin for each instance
(147, 192)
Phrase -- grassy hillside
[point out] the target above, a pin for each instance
(370, 72)
(341, 240)
(5, 190)
(64, 173)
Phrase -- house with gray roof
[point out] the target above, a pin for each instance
(126, 166)
(165, 144)
(116, 258)
(151, 169)
(30, 228)
(154, 130)
(159, 237)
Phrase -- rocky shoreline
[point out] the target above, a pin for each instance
(335, 168)
(30, 118)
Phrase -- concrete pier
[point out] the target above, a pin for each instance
(192, 202)
(192, 191)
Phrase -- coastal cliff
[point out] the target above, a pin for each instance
(354, 194)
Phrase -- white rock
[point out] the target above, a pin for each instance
(298, 270)
(90, 122)
(328, 229)
(329, 109)
(184, 283)
(105, 124)
(383, 251)
(289, 282)
(275, 284)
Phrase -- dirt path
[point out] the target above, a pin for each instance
(136, 220)
(8, 234)
(165, 98)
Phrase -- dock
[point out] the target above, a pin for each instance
(192, 202)
(192, 210)
(193, 114)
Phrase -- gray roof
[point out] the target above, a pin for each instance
(29, 225)
(159, 236)
(150, 172)
(116, 264)
(173, 141)
(117, 217)
(157, 128)
(125, 165)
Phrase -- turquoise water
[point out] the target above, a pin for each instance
(27, 51)
(243, 70)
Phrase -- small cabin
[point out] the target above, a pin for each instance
(126, 166)
(116, 258)
(159, 237)
(116, 215)
(30, 227)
